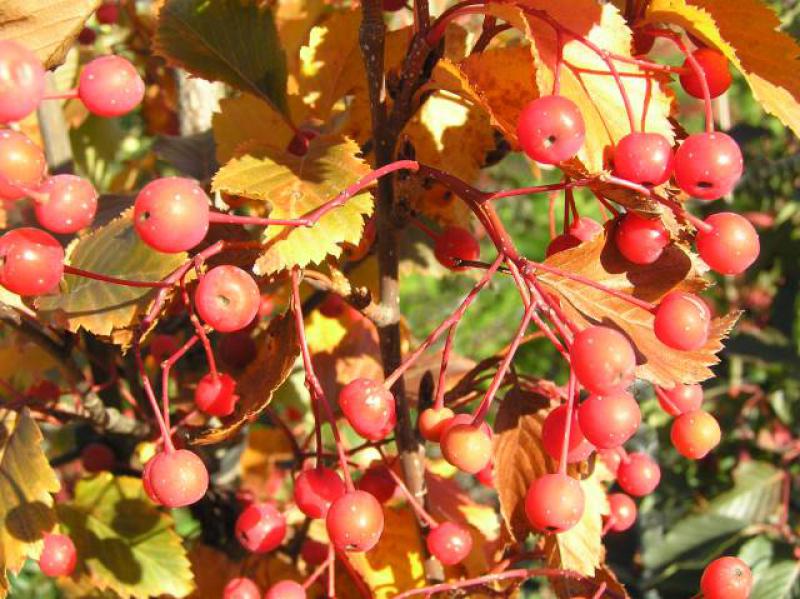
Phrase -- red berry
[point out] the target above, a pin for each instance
(241, 588)
(378, 482)
(644, 158)
(31, 262)
(260, 527)
(714, 66)
(455, 243)
(65, 204)
(87, 36)
(216, 395)
(175, 478)
(584, 228)
(603, 360)
(467, 447)
(463, 419)
(554, 503)
(682, 321)
(237, 349)
(486, 475)
(21, 81)
(731, 245)
(393, 5)
(97, 457)
(551, 129)
(449, 543)
(58, 555)
(369, 408)
(286, 589)
(639, 475)
(432, 421)
(110, 86)
(622, 512)
(708, 165)
(313, 552)
(726, 578)
(315, 489)
(171, 214)
(22, 165)
(107, 13)
(643, 42)
(162, 346)
(682, 399)
(355, 522)
(227, 298)
(332, 306)
(611, 459)
(562, 242)
(608, 421)
(695, 434)
(641, 240)
(553, 436)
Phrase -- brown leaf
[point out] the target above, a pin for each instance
(587, 588)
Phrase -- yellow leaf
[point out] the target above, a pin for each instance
(322, 333)
(247, 118)
(264, 447)
(18, 348)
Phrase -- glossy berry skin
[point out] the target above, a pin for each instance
(355, 522)
(107, 13)
(553, 436)
(639, 475)
(378, 482)
(260, 527)
(486, 475)
(644, 158)
(241, 588)
(554, 503)
(603, 360)
(171, 214)
(313, 552)
(22, 165)
(726, 578)
(315, 489)
(640, 240)
(227, 298)
(708, 165)
(551, 129)
(682, 399)
(58, 555)
(110, 86)
(286, 589)
(467, 447)
(449, 543)
(580, 230)
(175, 478)
(97, 457)
(31, 262)
(611, 459)
(695, 434)
(464, 418)
(216, 396)
(21, 81)
(622, 512)
(369, 407)
(608, 421)
(682, 321)
(731, 245)
(65, 204)
(431, 422)
(455, 243)
(717, 73)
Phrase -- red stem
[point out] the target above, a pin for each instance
(415, 504)
(571, 392)
(166, 366)
(438, 403)
(79, 272)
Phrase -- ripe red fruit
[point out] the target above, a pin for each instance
(355, 522)
(622, 512)
(486, 475)
(584, 228)
(732, 244)
(708, 165)
(313, 552)
(714, 66)
(22, 165)
(455, 243)
(216, 395)
(31, 261)
(551, 129)
(643, 42)
(65, 204)
(171, 214)
(726, 578)
(611, 459)
(332, 306)
(463, 419)
(554, 503)
(641, 240)
(175, 478)
(553, 436)
(97, 457)
(369, 408)
(431, 422)
(467, 447)
(237, 349)
(562, 242)
(393, 5)
(286, 589)
(107, 13)
(227, 298)
(241, 588)
(162, 346)
(602, 359)
(58, 555)
(260, 527)
(315, 489)
(682, 321)
(608, 421)
(87, 36)
(21, 81)
(644, 158)
(378, 482)
(682, 398)
(639, 475)
(695, 434)
(449, 543)
(110, 86)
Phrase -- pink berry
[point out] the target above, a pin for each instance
(216, 395)
(369, 408)
(641, 240)
(31, 262)
(681, 399)
(315, 489)
(553, 436)
(726, 578)
(554, 503)
(171, 214)
(22, 165)
(453, 244)
(260, 528)
(608, 421)
(682, 321)
(241, 588)
(708, 165)
(551, 129)
(21, 81)
(467, 447)
(107, 13)
(431, 422)
(175, 478)
(622, 512)
(378, 482)
(695, 434)
(110, 86)
(449, 543)
(65, 204)
(644, 158)
(355, 522)
(714, 66)
(286, 589)
(58, 555)
(603, 360)
(227, 298)
(313, 552)
(639, 475)
(731, 245)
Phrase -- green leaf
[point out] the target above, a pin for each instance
(124, 542)
(779, 581)
(225, 40)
